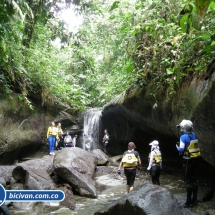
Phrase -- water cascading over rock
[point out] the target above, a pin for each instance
(92, 125)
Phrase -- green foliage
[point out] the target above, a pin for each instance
(120, 44)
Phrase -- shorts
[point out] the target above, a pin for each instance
(130, 176)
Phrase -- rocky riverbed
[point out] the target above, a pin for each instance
(111, 186)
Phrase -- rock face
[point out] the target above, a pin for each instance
(101, 156)
(138, 116)
(6, 174)
(77, 167)
(21, 129)
(33, 179)
(145, 199)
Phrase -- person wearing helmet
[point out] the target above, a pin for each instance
(155, 162)
(191, 153)
(130, 161)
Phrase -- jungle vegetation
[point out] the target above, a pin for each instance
(120, 45)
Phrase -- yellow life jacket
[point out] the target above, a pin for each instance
(52, 131)
(157, 158)
(59, 131)
(193, 151)
(129, 160)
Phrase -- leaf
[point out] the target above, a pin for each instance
(183, 22)
(114, 5)
(206, 36)
(213, 43)
(112, 17)
(169, 71)
(211, 7)
(130, 68)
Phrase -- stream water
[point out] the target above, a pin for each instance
(111, 186)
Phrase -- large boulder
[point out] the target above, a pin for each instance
(33, 179)
(44, 163)
(6, 174)
(101, 156)
(77, 167)
(145, 199)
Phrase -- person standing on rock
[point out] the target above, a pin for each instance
(191, 153)
(88, 142)
(130, 161)
(59, 141)
(105, 140)
(52, 136)
(74, 140)
(155, 162)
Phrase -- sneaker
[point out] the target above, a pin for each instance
(50, 153)
(53, 153)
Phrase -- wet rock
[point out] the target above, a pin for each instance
(2, 181)
(145, 199)
(101, 156)
(69, 200)
(114, 161)
(77, 167)
(6, 173)
(17, 206)
(33, 179)
(45, 163)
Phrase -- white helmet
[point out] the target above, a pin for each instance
(186, 126)
(154, 145)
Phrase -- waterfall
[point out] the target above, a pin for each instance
(92, 126)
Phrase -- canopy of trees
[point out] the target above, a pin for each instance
(120, 45)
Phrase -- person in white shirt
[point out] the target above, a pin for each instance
(74, 140)
(155, 162)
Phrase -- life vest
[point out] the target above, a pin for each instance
(129, 160)
(52, 131)
(59, 131)
(193, 151)
(68, 139)
(156, 159)
(106, 137)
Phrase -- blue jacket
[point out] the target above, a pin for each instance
(185, 141)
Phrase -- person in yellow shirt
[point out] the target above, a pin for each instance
(59, 140)
(51, 137)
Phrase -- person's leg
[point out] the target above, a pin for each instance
(153, 179)
(105, 147)
(195, 166)
(126, 172)
(132, 175)
(158, 180)
(188, 181)
(52, 144)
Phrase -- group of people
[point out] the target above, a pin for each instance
(56, 139)
(188, 147)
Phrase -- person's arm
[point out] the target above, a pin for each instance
(150, 161)
(181, 147)
(48, 132)
(139, 161)
(120, 165)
